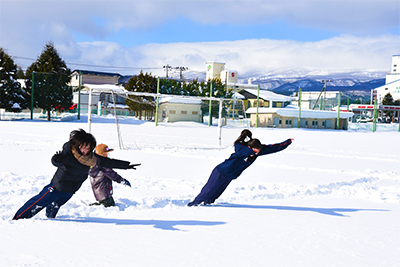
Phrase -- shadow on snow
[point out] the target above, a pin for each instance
(159, 224)
(325, 211)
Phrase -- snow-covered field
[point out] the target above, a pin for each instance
(330, 199)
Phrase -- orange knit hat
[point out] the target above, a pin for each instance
(102, 148)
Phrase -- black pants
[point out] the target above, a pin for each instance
(49, 198)
(215, 186)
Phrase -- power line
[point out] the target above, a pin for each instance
(98, 66)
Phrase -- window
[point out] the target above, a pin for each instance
(172, 112)
(183, 112)
(289, 122)
(195, 112)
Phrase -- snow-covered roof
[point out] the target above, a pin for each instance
(99, 73)
(236, 95)
(292, 111)
(268, 95)
(180, 100)
(106, 87)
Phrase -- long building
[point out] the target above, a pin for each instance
(392, 84)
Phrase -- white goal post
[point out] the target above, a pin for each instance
(120, 91)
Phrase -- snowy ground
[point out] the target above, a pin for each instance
(330, 199)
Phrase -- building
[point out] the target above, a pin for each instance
(94, 77)
(218, 70)
(364, 112)
(392, 83)
(288, 117)
(266, 98)
(316, 100)
(173, 109)
(87, 80)
(275, 110)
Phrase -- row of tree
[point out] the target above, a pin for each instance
(145, 82)
(49, 77)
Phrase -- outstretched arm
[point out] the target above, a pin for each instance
(269, 149)
(114, 163)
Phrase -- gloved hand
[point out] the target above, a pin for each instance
(126, 182)
(59, 157)
(132, 166)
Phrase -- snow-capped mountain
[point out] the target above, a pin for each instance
(346, 81)
(352, 83)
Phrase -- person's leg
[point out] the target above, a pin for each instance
(219, 190)
(36, 203)
(53, 207)
(108, 202)
(208, 189)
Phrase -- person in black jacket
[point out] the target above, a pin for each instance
(246, 152)
(73, 164)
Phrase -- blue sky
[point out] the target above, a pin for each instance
(259, 34)
(185, 30)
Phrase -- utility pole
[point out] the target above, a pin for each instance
(323, 90)
(180, 71)
(167, 67)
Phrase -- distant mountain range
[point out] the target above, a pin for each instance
(352, 84)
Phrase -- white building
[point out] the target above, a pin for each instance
(87, 80)
(322, 101)
(172, 109)
(218, 70)
(288, 117)
(392, 85)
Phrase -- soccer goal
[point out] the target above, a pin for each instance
(176, 121)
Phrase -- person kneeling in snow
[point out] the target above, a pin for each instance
(73, 164)
(101, 179)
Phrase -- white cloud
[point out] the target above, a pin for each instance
(100, 18)
(340, 53)
(26, 26)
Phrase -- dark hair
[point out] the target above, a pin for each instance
(243, 135)
(254, 143)
(80, 137)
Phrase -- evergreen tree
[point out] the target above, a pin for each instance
(387, 100)
(142, 83)
(12, 97)
(51, 78)
(20, 73)
(148, 83)
(170, 87)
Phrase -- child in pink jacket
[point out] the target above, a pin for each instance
(101, 179)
